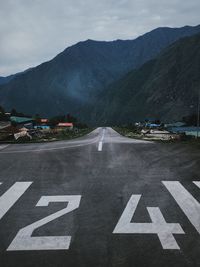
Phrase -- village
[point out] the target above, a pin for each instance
(153, 129)
(16, 127)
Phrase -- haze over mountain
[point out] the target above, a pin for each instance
(73, 81)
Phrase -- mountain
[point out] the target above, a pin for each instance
(7, 79)
(164, 88)
(4, 80)
(72, 81)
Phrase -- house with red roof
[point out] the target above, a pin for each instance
(65, 125)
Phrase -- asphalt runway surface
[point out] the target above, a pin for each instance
(102, 200)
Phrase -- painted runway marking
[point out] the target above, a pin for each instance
(100, 146)
(189, 205)
(158, 226)
(8, 199)
(3, 147)
(48, 149)
(24, 240)
(197, 183)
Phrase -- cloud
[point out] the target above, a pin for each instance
(33, 31)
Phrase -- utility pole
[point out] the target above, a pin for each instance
(198, 115)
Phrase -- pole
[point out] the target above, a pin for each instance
(198, 115)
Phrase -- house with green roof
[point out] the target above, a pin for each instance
(23, 122)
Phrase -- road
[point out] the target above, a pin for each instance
(102, 200)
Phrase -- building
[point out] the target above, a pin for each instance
(42, 127)
(190, 130)
(175, 124)
(7, 131)
(23, 122)
(44, 121)
(153, 125)
(42, 124)
(65, 125)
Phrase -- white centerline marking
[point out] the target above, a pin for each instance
(100, 146)
(189, 205)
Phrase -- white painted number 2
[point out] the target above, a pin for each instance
(158, 225)
(24, 240)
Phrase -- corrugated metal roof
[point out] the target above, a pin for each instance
(20, 119)
(44, 120)
(65, 124)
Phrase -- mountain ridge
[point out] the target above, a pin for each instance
(71, 81)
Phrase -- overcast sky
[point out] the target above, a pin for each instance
(34, 31)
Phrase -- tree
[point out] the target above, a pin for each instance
(190, 120)
(157, 121)
(13, 112)
(55, 120)
(3, 116)
(37, 118)
(71, 118)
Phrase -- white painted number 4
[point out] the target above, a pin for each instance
(158, 225)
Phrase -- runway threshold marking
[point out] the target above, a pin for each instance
(197, 183)
(125, 225)
(100, 146)
(189, 205)
(8, 199)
